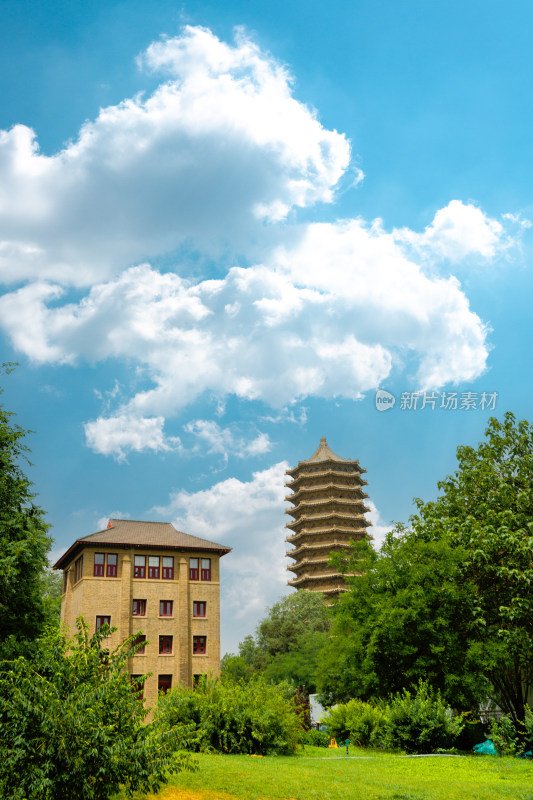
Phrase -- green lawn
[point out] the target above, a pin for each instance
(328, 775)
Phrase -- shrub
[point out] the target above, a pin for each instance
(420, 721)
(234, 717)
(504, 737)
(71, 726)
(360, 722)
(317, 738)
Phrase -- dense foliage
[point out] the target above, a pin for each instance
(229, 717)
(417, 721)
(405, 617)
(71, 726)
(287, 642)
(23, 545)
(450, 599)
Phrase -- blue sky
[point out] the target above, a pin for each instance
(224, 226)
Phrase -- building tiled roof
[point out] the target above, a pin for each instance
(135, 533)
(324, 453)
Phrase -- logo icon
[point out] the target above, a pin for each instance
(384, 400)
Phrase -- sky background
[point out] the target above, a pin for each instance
(224, 226)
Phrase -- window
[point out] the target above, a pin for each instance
(99, 559)
(78, 569)
(165, 608)
(198, 608)
(168, 568)
(112, 561)
(193, 569)
(165, 644)
(164, 683)
(139, 608)
(139, 567)
(199, 644)
(65, 581)
(206, 569)
(103, 620)
(153, 566)
(140, 639)
(137, 685)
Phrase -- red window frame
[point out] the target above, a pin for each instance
(206, 569)
(153, 569)
(103, 619)
(199, 608)
(168, 569)
(137, 685)
(164, 683)
(78, 569)
(165, 645)
(139, 570)
(193, 569)
(138, 639)
(199, 645)
(138, 608)
(98, 570)
(165, 608)
(111, 568)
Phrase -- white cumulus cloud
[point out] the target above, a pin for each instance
(205, 159)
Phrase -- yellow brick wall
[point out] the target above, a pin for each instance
(92, 596)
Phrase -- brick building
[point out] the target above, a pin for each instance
(151, 579)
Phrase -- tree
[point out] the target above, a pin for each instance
(449, 600)
(486, 510)
(71, 723)
(404, 618)
(23, 544)
(288, 639)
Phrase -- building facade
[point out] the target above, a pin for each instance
(328, 512)
(149, 579)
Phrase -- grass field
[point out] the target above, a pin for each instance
(328, 775)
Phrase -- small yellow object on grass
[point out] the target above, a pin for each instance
(333, 743)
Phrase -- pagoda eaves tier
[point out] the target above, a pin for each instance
(328, 512)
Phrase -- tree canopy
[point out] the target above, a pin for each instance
(23, 544)
(71, 723)
(287, 641)
(449, 599)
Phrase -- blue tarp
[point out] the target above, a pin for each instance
(486, 747)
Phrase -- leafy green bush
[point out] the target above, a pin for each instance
(317, 738)
(234, 717)
(71, 726)
(504, 737)
(362, 723)
(420, 721)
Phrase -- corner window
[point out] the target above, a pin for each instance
(165, 645)
(112, 561)
(78, 569)
(99, 560)
(153, 567)
(165, 608)
(199, 608)
(103, 620)
(193, 569)
(139, 567)
(206, 569)
(168, 568)
(139, 608)
(137, 685)
(164, 683)
(199, 645)
(65, 581)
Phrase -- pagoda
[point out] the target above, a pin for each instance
(328, 512)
